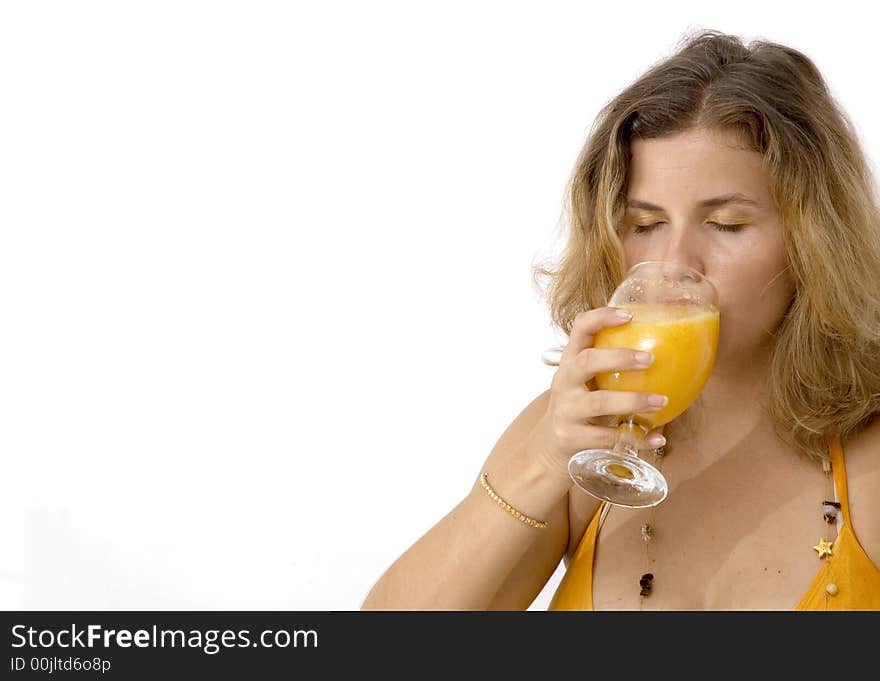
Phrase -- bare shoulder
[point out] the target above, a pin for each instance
(862, 452)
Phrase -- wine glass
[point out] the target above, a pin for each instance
(675, 317)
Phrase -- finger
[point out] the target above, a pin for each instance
(595, 403)
(592, 436)
(589, 436)
(587, 324)
(592, 361)
(654, 439)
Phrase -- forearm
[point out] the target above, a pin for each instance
(460, 563)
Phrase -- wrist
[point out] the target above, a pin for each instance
(547, 464)
(527, 480)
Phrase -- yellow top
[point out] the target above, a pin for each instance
(856, 577)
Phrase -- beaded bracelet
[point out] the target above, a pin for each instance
(484, 481)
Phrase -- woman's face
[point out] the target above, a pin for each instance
(681, 191)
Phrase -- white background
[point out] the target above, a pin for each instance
(265, 272)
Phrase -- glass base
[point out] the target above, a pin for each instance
(618, 478)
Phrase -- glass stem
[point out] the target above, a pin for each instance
(629, 436)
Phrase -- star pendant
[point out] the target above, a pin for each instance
(823, 548)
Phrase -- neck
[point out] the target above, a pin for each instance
(731, 407)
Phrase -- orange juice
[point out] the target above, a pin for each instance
(683, 339)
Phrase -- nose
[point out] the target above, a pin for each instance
(681, 245)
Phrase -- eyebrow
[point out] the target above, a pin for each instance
(705, 203)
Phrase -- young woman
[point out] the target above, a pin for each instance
(736, 161)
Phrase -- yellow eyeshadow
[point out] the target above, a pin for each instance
(731, 219)
(727, 219)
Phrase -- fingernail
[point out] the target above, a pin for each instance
(623, 314)
(658, 400)
(656, 440)
(645, 358)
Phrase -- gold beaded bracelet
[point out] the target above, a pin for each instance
(484, 481)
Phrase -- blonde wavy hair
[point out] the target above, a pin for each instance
(825, 371)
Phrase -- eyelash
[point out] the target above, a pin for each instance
(721, 227)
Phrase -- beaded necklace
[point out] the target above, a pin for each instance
(830, 508)
(646, 581)
(831, 516)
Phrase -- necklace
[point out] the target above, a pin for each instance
(831, 516)
(830, 508)
(646, 581)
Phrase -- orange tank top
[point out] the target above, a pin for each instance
(848, 567)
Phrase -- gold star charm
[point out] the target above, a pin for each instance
(823, 548)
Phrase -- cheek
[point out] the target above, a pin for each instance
(753, 300)
(634, 251)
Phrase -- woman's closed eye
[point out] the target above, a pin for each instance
(720, 226)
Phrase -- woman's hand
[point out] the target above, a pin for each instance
(576, 414)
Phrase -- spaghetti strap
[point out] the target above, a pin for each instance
(838, 470)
